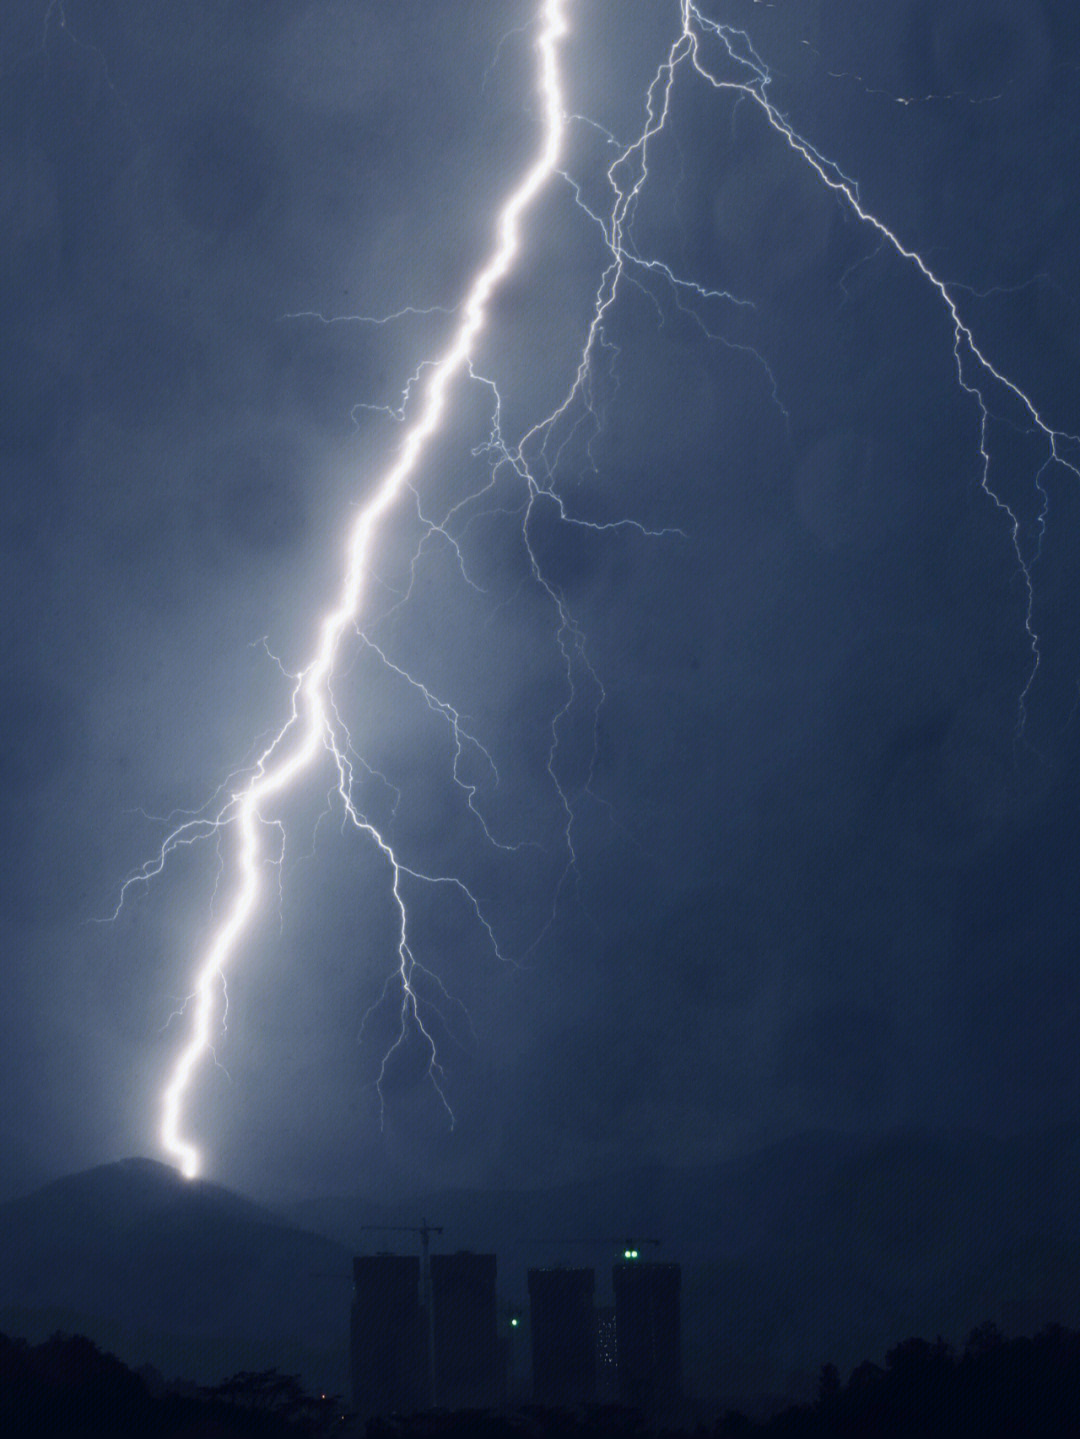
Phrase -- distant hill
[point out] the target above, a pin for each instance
(821, 1248)
(187, 1276)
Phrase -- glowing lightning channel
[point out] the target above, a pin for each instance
(314, 723)
(309, 727)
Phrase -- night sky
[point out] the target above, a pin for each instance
(826, 821)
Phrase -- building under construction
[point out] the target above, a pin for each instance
(563, 1323)
(388, 1350)
(648, 1333)
(405, 1356)
(468, 1373)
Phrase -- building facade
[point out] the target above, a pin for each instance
(648, 1329)
(563, 1323)
(388, 1348)
(607, 1354)
(467, 1368)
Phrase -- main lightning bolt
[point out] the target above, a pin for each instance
(310, 728)
(724, 58)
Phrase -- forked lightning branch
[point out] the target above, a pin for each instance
(706, 52)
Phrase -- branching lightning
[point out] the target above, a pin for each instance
(705, 51)
(310, 728)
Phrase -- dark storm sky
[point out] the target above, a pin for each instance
(820, 883)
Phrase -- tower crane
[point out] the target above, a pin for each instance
(425, 1231)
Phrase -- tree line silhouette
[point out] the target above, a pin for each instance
(993, 1388)
(67, 1388)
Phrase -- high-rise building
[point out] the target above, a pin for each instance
(649, 1333)
(467, 1371)
(388, 1352)
(563, 1335)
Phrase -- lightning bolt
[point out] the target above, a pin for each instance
(310, 728)
(725, 60)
